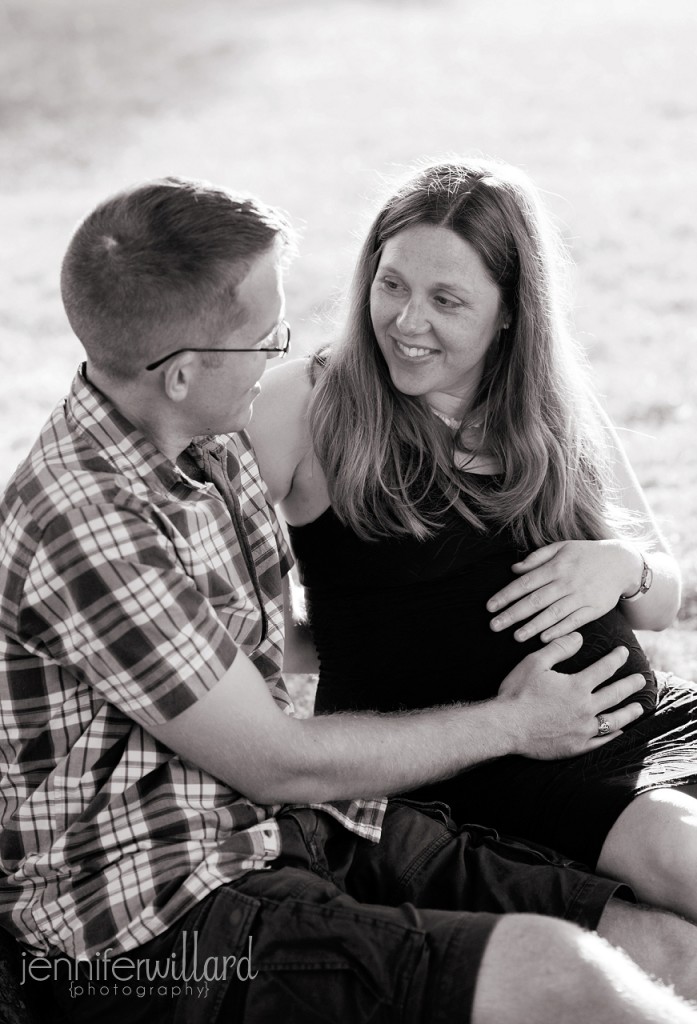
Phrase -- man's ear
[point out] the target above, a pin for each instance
(179, 375)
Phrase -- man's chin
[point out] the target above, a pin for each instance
(231, 425)
(238, 423)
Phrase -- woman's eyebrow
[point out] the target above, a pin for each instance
(459, 287)
(451, 286)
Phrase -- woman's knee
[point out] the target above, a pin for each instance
(653, 846)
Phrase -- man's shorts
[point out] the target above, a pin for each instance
(341, 930)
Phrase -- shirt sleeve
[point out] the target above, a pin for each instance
(105, 599)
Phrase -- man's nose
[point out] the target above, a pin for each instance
(413, 319)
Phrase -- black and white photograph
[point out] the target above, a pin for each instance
(348, 495)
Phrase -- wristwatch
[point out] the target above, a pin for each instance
(646, 581)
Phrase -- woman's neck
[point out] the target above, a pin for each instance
(448, 406)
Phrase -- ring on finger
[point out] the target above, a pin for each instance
(604, 726)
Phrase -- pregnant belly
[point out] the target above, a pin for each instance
(413, 647)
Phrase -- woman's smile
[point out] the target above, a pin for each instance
(413, 352)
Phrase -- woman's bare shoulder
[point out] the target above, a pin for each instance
(292, 376)
(278, 428)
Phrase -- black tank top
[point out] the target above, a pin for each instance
(402, 623)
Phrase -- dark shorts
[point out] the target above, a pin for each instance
(341, 930)
(572, 804)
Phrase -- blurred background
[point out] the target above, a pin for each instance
(314, 104)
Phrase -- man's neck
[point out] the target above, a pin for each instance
(144, 411)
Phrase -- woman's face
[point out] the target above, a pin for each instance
(435, 312)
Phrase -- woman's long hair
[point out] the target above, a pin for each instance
(386, 456)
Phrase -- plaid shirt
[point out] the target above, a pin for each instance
(126, 589)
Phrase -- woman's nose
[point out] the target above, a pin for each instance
(412, 318)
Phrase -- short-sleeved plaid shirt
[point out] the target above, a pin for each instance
(126, 590)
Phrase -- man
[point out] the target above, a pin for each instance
(163, 813)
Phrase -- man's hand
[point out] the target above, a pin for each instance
(239, 734)
(555, 714)
(565, 585)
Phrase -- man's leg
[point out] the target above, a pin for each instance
(298, 948)
(663, 944)
(548, 971)
(428, 862)
(322, 958)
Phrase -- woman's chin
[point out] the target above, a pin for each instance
(409, 384)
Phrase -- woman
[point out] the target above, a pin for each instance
(444, 462)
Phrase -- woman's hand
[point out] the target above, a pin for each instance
(564, 585)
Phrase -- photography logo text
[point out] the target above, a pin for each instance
(179, 975)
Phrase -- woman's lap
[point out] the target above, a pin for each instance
(572, 805)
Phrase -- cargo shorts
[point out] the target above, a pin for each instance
(344, 930)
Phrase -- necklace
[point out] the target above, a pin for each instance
(450, 421)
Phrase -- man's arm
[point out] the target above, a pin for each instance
(105, 599)
(237, 733)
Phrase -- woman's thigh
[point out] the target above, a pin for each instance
(653, 847)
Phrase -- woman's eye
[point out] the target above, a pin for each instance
(390, 284)
(446, 302)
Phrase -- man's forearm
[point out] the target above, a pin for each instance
(341, 756)
(237, 732)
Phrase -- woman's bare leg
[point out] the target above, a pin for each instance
(653, 847)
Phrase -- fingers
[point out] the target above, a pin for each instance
(579, 617)
(559, 649)
(517, 589)
(600, 741)
(543, 596)
(560, 618)
(600, 671)
(613, 694)
(618, 721)
(538, 557)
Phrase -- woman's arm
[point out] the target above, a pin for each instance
(569, 583)
(657, 608)
(280, 434)
(278, 428)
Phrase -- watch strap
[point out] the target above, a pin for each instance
(646, 581)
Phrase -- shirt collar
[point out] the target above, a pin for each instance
(92, 415)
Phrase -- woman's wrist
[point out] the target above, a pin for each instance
(640, 578)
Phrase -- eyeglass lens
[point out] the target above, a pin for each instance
(278, 338)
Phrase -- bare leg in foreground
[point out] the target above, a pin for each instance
(552, 972)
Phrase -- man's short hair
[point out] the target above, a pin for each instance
(158, 265)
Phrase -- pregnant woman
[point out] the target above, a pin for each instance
(445, 462)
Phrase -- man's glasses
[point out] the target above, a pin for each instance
(277, 341)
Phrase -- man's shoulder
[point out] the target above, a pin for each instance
(61, 475)
(44, 489)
